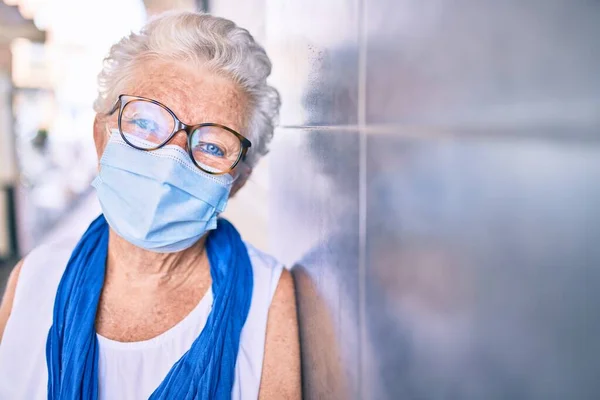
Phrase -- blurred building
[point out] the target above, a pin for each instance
(48, 66)
(13, 28)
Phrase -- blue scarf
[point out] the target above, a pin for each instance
(205, 371)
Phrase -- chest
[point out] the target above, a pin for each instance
(140, 315)
(125, 317)
(134, 370)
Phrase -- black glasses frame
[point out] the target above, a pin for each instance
(125, 99)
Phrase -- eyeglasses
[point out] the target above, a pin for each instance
(214, 148)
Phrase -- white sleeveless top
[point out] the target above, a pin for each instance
(127, 371)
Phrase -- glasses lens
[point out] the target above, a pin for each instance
(146, 121)
(215, 149)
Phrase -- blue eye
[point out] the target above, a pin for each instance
(210, 149)
(146, 124)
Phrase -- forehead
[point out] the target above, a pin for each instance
(195, 95)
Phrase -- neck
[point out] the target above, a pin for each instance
(136, 266)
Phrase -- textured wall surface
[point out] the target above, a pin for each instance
(435, 183)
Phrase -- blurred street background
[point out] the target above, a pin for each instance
(50, 54)
(434, 181)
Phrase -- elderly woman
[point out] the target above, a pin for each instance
(160, 299)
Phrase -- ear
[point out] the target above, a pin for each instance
(243, 172)
(100, 134)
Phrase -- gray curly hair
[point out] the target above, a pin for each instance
(217, 44)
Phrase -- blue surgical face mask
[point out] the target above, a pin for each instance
(158, 200)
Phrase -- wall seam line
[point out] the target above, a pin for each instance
(362, 200)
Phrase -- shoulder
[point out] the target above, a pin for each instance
(284, 291)
(285, 295)
(283, 283)
(47, 262)
(33, 282)
(9, 296)
(267, 270)
(281, 364)
(258, 371)
(260, 259)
